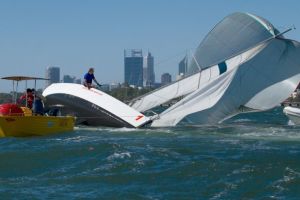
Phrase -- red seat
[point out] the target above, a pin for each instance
(10, 109)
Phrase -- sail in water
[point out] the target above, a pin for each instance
(261, 80)
(260, 83)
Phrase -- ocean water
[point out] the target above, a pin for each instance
(252, 156)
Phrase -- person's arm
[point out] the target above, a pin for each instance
(21, 99)
(96, 81)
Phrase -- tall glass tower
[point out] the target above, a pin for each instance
(149, 75)
(133, 67)
(53, 74)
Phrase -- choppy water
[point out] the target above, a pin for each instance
(253, 156)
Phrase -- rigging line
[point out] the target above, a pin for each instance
(200, 70)
(171, 57)
(196, 62)
(199, 80)
(177, 89)
(209, 74)
(160, 97)
(102, 117)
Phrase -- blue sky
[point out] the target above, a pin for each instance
(78, 34)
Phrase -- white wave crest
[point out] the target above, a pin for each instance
(119, 156)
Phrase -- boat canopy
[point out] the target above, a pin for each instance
(22, 78)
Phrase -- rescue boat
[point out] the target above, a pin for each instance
(18, 121)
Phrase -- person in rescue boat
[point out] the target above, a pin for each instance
(89, 77)
(27, 97)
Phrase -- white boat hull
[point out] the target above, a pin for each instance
(293, 114)
(93, 107)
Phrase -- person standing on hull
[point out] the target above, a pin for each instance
(88, 79)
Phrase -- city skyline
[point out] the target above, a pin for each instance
(76, 35)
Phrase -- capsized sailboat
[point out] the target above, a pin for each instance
(244, 64)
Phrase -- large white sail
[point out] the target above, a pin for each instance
(259, 83)
(231, 36)
(166, 93)
(287, 68)
(191, 83)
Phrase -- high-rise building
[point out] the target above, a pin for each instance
(183, 66)
(133, 67)
(69, 79)
(148, 71)
(53, 74)
(166, 78)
